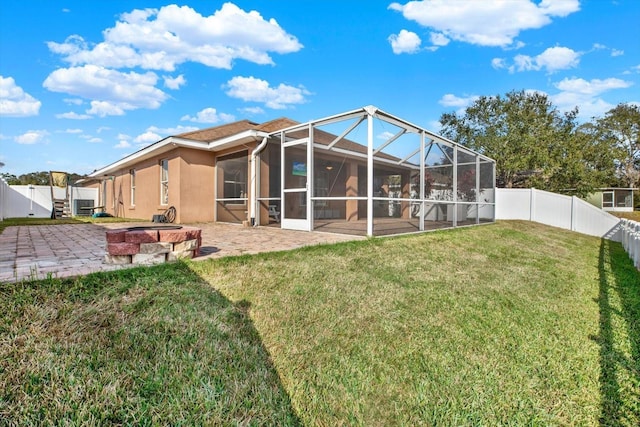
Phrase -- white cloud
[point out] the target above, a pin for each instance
(147, 137)
(576, 92)
(73, 116)
(174, 82)
(15, 102)
(161, 39)
(485, 23)
(617, 52)
(209, 115)
(593, 87)
(113, 92)
(252, 110)
(450, 100)
(404, 42)
(32, 137)
(154, 133)
(73, 131)
(105, 108)
(123, 143)
(498, 63)
(172, 131)
(256, 90)
(124, 136)
(439, 39)
(552, 59)
(385, 135)
(73, 101)
(102, 129)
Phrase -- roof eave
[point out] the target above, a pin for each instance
(171, 142)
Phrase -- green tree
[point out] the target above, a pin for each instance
(621, 128)
(532, 142)
(35, 178)
(10, 178)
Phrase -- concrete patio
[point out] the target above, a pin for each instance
(66, 250)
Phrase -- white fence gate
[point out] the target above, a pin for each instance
(34, 201)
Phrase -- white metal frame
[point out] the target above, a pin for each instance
(296, 223)
(369, 113)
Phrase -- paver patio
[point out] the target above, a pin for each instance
(65, 250)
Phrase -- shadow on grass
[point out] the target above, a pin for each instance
(143, 346)
(619, 336)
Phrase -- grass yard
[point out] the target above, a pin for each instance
(635, 215)
(508, 324)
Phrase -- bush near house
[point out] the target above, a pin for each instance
(512, 323)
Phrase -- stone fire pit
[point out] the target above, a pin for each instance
(152, 244)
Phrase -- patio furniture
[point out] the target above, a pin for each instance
(273, 213)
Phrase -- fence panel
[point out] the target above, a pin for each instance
(513, 203)
(552, 209)
(557, 210)
(4, 188)
(34, 201)
(630, 231)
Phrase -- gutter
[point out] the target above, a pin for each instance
(254, 184)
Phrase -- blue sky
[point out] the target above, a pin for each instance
(84, 83)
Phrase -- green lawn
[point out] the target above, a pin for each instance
(514, 323)
(635, 215)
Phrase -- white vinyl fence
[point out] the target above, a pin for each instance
(631, 240)
(570, 213)
(4, 187)
(34, 201)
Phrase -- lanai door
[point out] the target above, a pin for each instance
(296, 173)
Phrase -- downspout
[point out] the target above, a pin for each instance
(254, 186)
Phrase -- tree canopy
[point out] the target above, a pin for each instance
(534, 145)
(620, 127)
(35, 178)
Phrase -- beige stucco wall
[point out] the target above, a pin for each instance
(191, 187)
(196, 186)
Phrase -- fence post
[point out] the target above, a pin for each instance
(574, 226)
(532, 205)
(636, 246)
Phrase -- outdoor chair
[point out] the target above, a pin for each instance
(273, 213)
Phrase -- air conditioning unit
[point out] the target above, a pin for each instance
(79, 204)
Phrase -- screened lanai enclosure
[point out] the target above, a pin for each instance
(369, 173)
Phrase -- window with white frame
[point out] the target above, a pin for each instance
(132, 177)
(164, 181)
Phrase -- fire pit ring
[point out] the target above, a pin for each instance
(154, 227)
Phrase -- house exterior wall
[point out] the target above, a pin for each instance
(196, 186)
(595, 199)
(147, 195)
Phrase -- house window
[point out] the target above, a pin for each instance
(235, 172)
(132, 176)
(164, 181)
